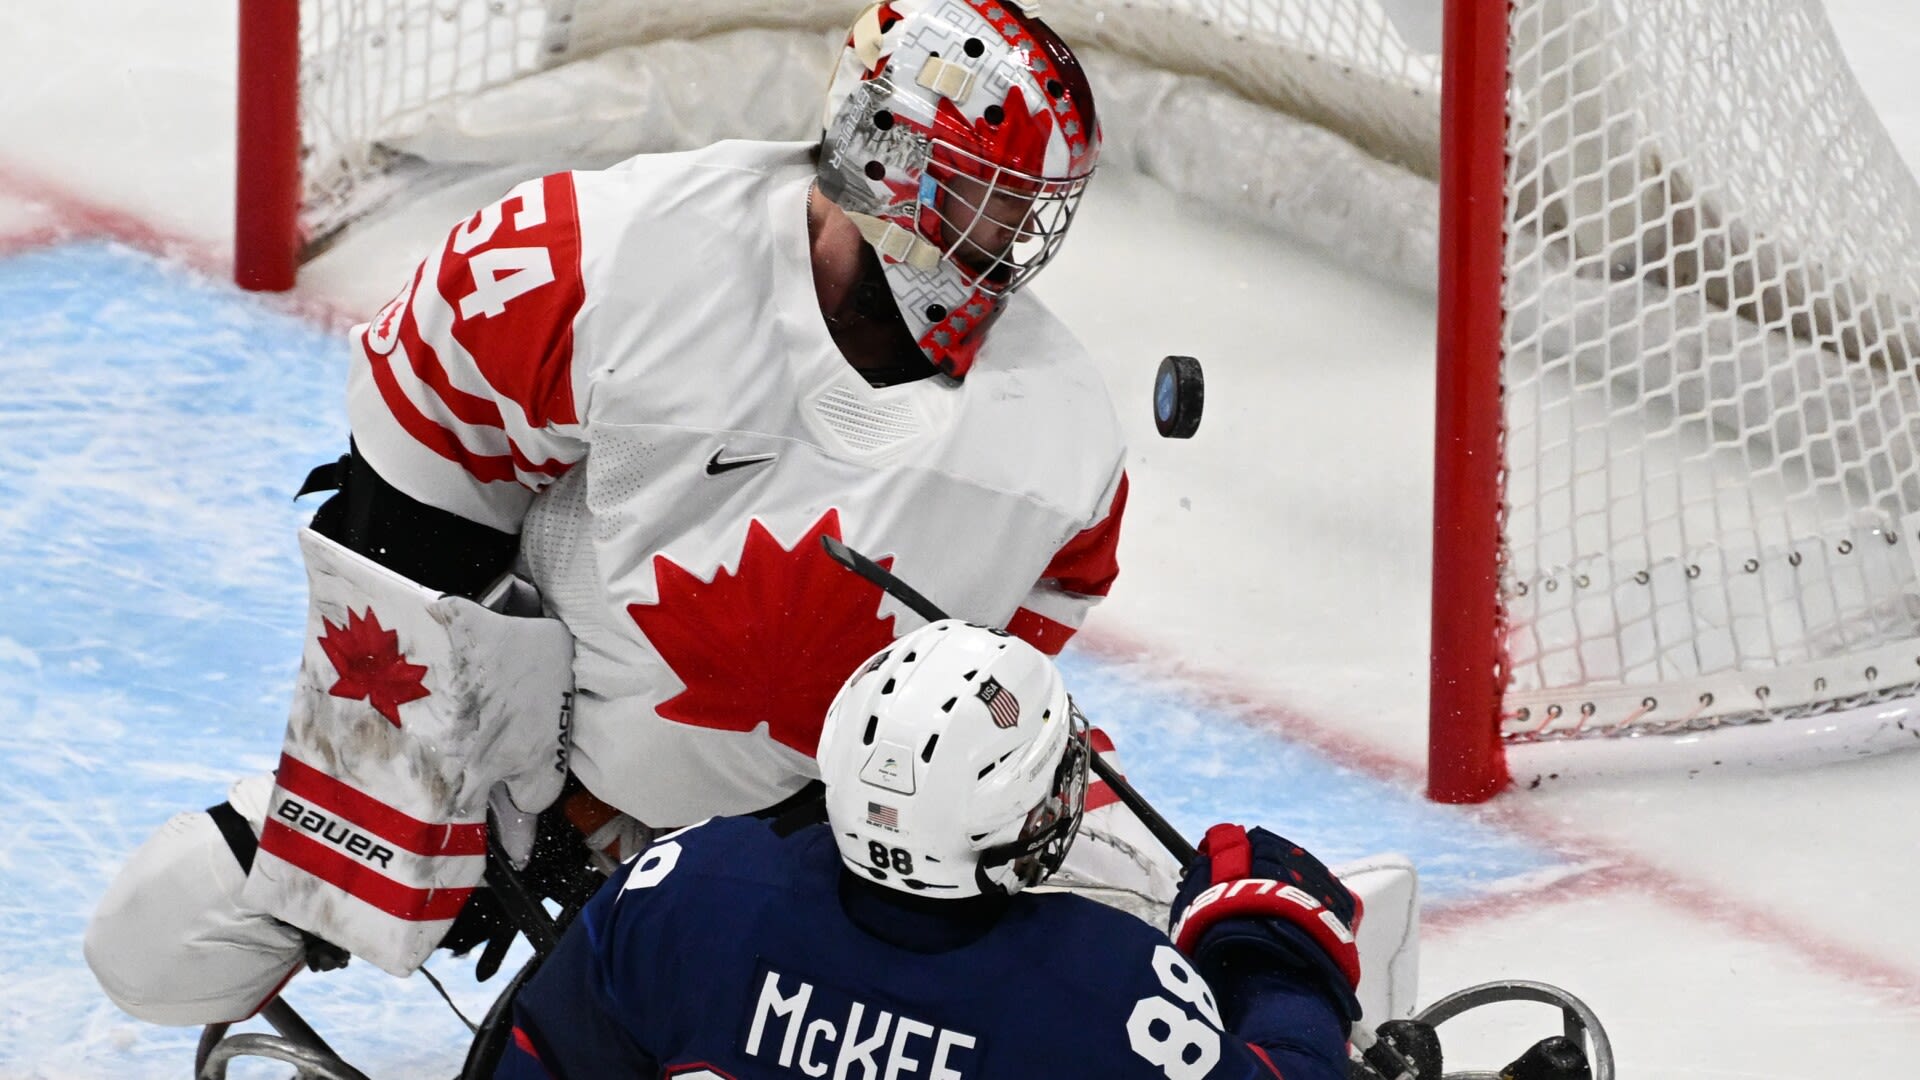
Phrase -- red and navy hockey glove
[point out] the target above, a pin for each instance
(1255, 900)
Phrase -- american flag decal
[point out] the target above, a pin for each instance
(887, 817)
(1000, 702)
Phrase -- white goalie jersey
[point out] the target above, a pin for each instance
(630, 369)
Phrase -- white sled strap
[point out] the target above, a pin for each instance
(411, 707)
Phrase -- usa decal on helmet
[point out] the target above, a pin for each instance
(1000, 702)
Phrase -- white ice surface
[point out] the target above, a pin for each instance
(1744, 925)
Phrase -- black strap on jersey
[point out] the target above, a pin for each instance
(441, 550)
(805, 807)
(237, 833)
(329, 477)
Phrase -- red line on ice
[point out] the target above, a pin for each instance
(1221, 691)
(65, 215)
(1614, 870)
(54, 213)
(1626, 875)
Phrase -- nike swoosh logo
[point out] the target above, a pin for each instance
(716, 466)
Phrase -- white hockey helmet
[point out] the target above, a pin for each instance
(955, 764)
(958, 136)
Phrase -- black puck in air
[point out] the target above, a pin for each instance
(1179, 393)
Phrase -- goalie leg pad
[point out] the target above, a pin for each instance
(1388, 888)
(411, 708)
(173, 943)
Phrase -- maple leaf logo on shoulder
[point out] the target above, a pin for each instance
(769, 643)
(367, 657)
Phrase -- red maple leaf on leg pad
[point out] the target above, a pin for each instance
(371, 667)
(769, 643)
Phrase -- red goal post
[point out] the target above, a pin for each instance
(1466, 761)
(1676, 469)
(266, 214)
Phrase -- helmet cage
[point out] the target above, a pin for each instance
(966, 199)
(959, 136)
(1041, 846)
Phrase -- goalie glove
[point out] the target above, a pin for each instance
(1254, 900)
(410, 709)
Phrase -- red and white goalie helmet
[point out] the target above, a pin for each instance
(955, 764)
(959, 135)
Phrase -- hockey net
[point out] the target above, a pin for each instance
(1712, 307)
(1270, 107)
(1708, 303)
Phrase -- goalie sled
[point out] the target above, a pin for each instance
(1581, 1052)
(297, 1044)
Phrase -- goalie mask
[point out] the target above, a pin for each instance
(959, 135)
(955, 764)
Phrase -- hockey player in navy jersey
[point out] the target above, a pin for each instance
(901, 938)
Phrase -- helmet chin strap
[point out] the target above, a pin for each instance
(896, 243)
(867, 38)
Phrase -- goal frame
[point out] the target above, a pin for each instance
(1466, 761)
(266, 222)
(1788, 665)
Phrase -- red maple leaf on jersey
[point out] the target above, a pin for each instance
(769, 643)
(367, 657)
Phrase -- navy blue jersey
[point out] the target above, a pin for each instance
(728, 951)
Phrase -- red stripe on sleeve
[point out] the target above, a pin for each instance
(397, 828)
(526, 464)
(512, 318)
(1087, 564)
(470, 409)
(429, 433)
(1100, 793)
(525, 349)
(1039, 631)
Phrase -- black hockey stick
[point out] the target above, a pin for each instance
(1381, 1056)
(1162, 830)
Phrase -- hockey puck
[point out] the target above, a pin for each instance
(1179, 394)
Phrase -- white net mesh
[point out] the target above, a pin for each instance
(366, 62)
(1711, 292)
(393, 90)
(1711, 314)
